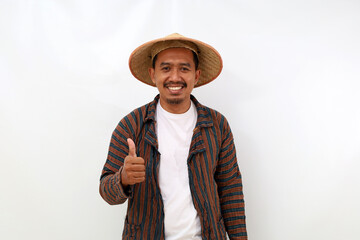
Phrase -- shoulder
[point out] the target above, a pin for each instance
(137, 114)
(211, 115)
(141, 113)
(134, 120)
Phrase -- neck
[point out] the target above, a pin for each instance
(176, 108)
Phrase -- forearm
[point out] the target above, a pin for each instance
(232, 209)
(111, 189)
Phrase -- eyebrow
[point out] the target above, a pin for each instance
(185, 64)
(181, 64)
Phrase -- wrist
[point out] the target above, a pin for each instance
(123, 179)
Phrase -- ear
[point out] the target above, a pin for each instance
(197, 75)
(152, 73)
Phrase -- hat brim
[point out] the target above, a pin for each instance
(210, 62)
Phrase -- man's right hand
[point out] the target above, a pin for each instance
(134, 167)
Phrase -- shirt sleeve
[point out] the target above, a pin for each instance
(230, 187)
(111, 188)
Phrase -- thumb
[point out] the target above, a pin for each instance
(132, 149)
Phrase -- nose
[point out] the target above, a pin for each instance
(175, 75)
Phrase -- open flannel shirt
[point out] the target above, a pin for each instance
(214, 176)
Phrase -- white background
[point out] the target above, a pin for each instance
(289, 88)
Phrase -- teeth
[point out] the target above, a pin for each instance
(174, 88)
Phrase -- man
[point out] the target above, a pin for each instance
(174, 159)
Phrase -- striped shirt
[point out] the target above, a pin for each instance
(214, 176)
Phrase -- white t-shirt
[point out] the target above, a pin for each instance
(174, 133)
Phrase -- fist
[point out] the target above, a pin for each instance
(134, 167)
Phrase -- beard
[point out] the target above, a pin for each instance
(174, 101)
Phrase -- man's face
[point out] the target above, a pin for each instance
(175, 77)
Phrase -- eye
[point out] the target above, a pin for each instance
(165, 68)
(184, 69)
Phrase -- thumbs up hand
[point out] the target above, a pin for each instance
(134, 167)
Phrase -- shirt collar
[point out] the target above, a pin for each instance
(204, 116)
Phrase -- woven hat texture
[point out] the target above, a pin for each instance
(210, 62)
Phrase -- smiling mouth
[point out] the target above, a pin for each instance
(175, 88)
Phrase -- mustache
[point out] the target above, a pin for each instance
(183, 84)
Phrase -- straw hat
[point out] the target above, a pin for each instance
(210, 62)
